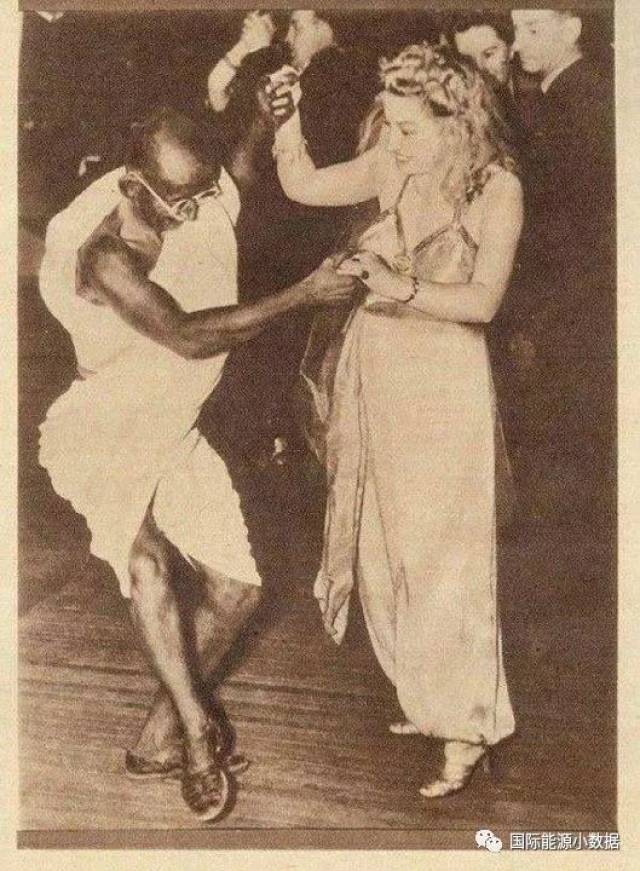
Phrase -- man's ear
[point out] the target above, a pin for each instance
(129, 186)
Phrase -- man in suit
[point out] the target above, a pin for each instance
(279, 239)
(485, 38)
(562, 311)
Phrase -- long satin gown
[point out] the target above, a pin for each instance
(412, 444)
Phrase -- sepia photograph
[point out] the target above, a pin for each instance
(317, 427)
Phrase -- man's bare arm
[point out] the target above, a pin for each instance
(115, 273)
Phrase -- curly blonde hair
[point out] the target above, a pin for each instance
(460, 92)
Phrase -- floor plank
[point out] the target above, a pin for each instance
(312, 717)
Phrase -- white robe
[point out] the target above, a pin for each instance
(125, 435)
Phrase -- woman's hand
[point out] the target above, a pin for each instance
(377, 276)
(258, 30)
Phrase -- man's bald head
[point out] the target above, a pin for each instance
(174, 152)
(171, 158)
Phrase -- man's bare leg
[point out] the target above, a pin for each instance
(157, 617)
(227, 606)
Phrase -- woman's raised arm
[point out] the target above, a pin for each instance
(342, 184)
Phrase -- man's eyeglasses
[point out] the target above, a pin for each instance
(185, 209)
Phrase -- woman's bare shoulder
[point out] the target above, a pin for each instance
(502, 182)
(501, 191)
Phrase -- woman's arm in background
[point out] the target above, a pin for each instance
(342, 184)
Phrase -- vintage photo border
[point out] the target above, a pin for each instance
(234, 855)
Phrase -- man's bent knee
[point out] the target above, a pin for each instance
(147, 570)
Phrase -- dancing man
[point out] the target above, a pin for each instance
(141, 271)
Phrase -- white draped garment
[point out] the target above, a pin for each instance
(124, 437)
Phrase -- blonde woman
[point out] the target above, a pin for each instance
(413, 439)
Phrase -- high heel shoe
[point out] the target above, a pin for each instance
(461, 761)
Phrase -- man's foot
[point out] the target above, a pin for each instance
(206, 787)
(145, 768)
(206, 791)
(138, 767)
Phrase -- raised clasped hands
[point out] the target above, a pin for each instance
(377, 276)
(258, 31)
(327, 286)
(281, 94)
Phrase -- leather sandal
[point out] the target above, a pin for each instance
(141, 768)
(145, 769)
(207, 790)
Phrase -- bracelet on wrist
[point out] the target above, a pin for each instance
(290, 151)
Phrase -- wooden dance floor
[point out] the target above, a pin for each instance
(311, 716)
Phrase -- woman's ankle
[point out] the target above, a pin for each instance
(459, 754)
